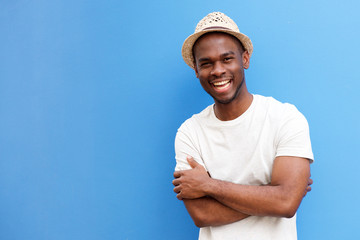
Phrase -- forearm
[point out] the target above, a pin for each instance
(256, 200)
(281, 198)
(207, 211)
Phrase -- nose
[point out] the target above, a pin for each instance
(218, 69)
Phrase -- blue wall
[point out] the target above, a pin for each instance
(92, 93)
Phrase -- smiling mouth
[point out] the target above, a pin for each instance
(221, 85)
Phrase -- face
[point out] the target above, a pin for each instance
(219, 65)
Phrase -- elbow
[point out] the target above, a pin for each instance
(288, 209)
(286, 205)
(198, 213)
(289, 214)
(200, 221)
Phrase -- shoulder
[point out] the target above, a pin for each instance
(276, 109)
(272, 102)
(292, 136)
(197, 120)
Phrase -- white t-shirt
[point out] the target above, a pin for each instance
(243, 151)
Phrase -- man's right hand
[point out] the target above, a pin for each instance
(308, 188)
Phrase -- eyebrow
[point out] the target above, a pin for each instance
(204, 59)
(228, 53)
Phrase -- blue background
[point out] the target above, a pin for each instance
(92, 93)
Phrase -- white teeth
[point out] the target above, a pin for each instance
(221, 83)
(223, 86)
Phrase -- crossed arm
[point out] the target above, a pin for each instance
(212, 202)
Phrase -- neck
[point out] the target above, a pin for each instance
(230, 111)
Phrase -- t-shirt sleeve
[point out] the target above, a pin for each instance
(185, 145)
(293, 136)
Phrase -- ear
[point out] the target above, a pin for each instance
(246, 59)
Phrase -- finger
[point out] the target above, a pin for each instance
(176, 182)
(177, 174)
(192, 162)
(177, 189)
(179, 196)
(310, 181)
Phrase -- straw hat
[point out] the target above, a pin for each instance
(213, 22)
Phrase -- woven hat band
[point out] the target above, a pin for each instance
(216, 28)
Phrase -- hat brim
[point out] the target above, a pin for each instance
(188, 44)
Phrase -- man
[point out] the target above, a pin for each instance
(243, 163)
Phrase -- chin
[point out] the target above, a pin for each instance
(224, 101)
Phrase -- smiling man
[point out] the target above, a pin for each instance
(243, 163)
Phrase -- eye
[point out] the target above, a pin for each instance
(227, 59)
(204, 64)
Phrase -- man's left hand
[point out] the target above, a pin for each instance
(190, 184)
